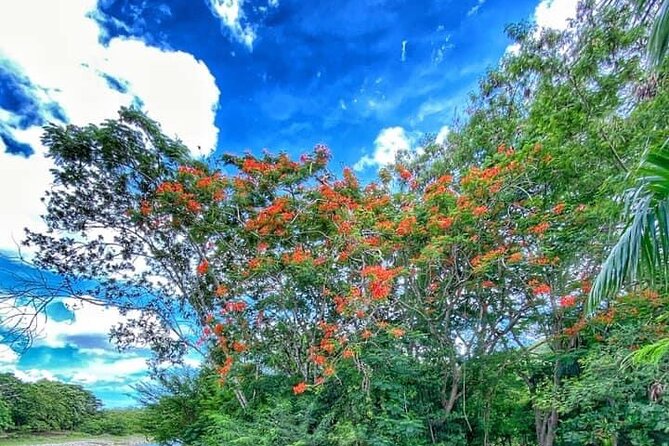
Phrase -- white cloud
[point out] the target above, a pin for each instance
(7, 356)
(442, 134)
(105, 365)
(231, 14)
(90, 319)
(555, 13)
(55, 46)
(550, 14)
(22, 183)
(32, 375)
(389, 142)
(474, 9)
(177, 90)
(106, 371)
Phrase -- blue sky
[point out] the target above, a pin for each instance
(365, 77)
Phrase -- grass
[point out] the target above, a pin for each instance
(63, 437)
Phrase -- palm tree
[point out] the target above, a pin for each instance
(641, 255)
(642, 252)
(658, 42)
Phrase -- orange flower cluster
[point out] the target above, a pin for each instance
(479, 211)
(576, 328)
(403, 172)
(490, 256)
(272, 219)
(186, 199)
(568, 301)
(439, 187)
(380, 280)
(318, 359)
(300, 388)
(485, 175)
(606, 317)
(203, 267)
(224, 370)
(443, 223)
(650, 295)
(540, 260)
(350, 180)
(252, 165)
(341, 304)
(539, 288)
(234, 306)
(376, 202)
(169, 187)
(515, 257)
(406, 226)
(396, 332)
(334, 201)
(297, 257)
(504, 150)
(189, 170)
(221, 291)
(238, 347)
(255, 263)
(145, 208)
(541, 228)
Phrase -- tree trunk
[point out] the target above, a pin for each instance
(449, 403)
(545, 424)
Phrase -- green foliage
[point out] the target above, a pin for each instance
(119, 422)
(46, 406)
(611, 400)
(6, 421)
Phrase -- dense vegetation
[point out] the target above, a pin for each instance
(442, 303)
(52, 406)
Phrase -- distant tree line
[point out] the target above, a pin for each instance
(48, 406)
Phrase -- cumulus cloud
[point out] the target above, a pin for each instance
(89, 319)
(7, 356)
(33, 375)
(54, 48)
(89, 322)
(105, 371)
(232, 17)
(389, 142)
(22, 183)
(550, 14)
(61, 55)
(442, 134)
(555, 14)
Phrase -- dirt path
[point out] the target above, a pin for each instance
(100, 442)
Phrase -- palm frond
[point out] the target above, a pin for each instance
(658, 42)
(642, 252)
(651, 353)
